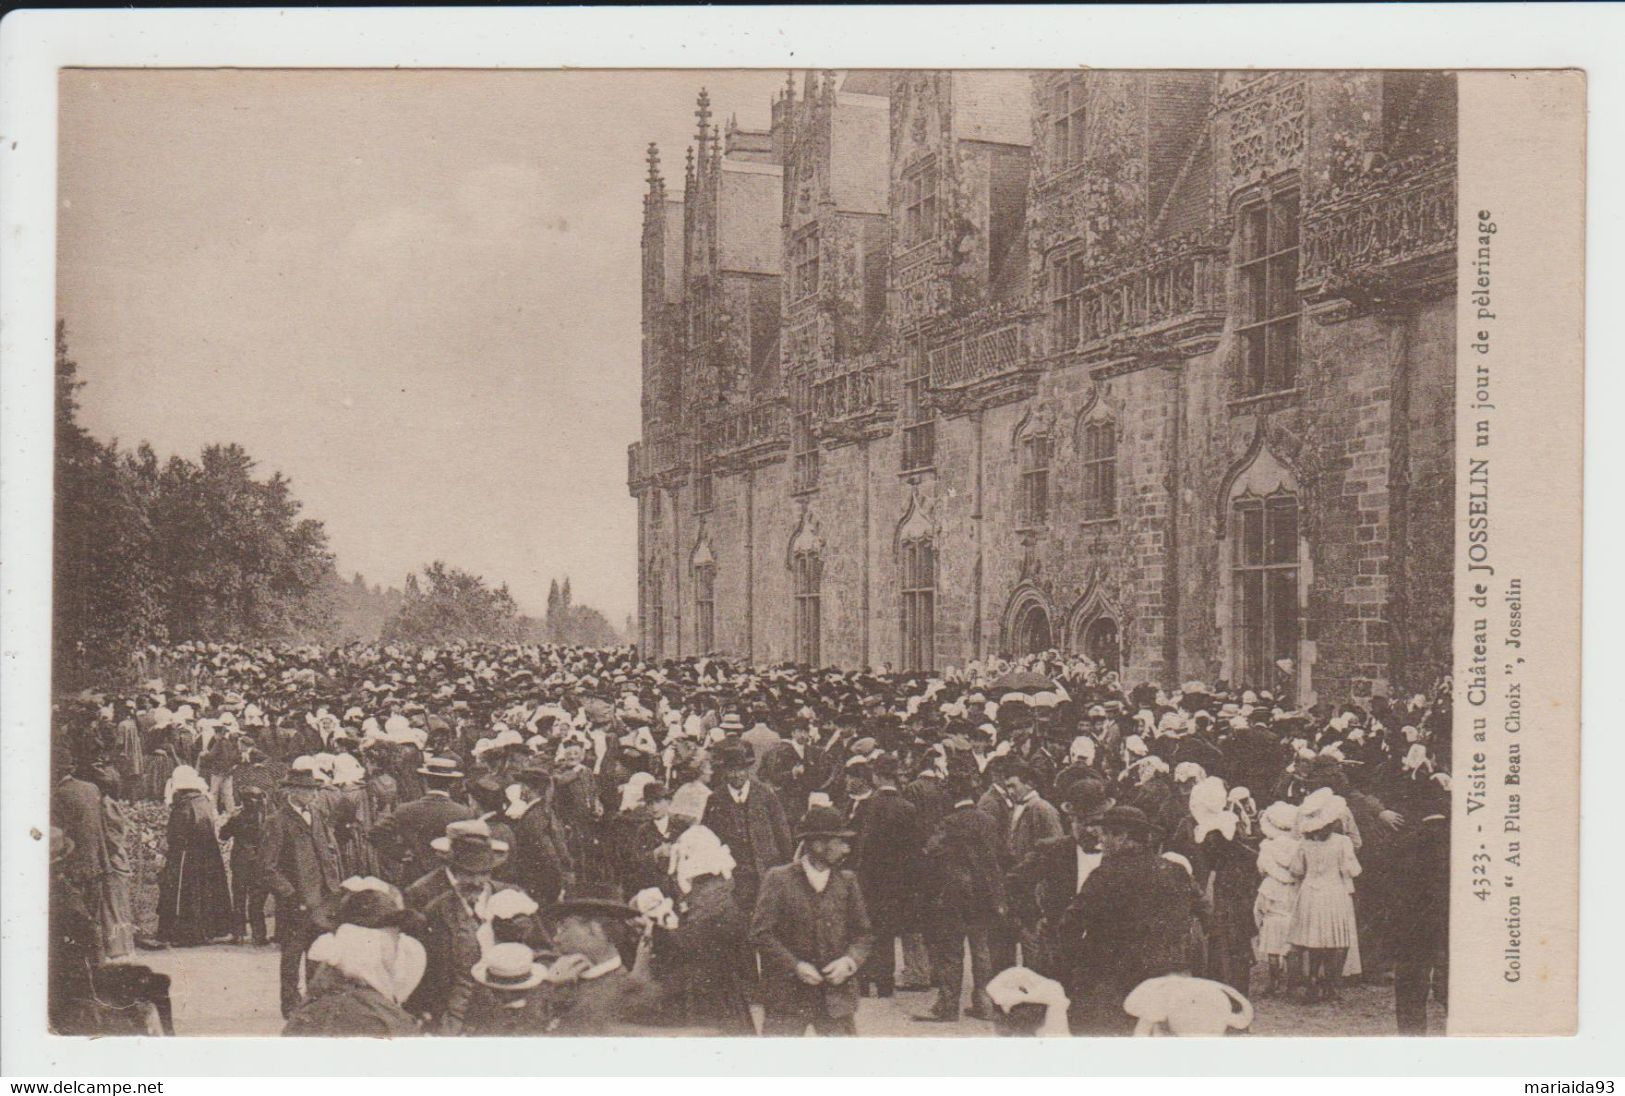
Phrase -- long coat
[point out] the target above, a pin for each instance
(886, 859)
(1130, 922)
(451, 942)
(76, 807)
(794, 923)
(299, 862)
(539, 861)
(194, 899)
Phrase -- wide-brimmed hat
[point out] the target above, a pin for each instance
(590, 909)
(1278, 819)
(1129, 820)
(509, 967)
(823, 822)
(441, 768)
(1320, 809)
(468, 845)
(732, 722)
(301, 778)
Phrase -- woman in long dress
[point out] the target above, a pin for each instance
(114, 905)
(194, 898)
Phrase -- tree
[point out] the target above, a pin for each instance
(150, 552)
(553, 622)
(454, 605)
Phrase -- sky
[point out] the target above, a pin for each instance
(415, 294)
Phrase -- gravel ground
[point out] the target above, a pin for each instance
(232, 990)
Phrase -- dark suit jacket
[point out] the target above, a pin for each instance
(1048, 879)
(540, 858)
(1130, 922)
(886, 858)
(759, 826)
(298, 862)
(777, 768)
(963, 880)
(928, 794)
(1039, 821)
(794, 923)
(404, 837)
(1254, 759)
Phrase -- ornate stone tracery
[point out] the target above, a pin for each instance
(1267, 133)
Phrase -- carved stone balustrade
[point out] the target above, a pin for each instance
(1390, 240)
(855, 403)
(981, 361)
(1166, 307)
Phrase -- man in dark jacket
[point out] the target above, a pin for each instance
(1419, 927)
(406, 839)
(796, 768)
(886, 859)
(964, 901)
(540, 860)
(747, 816)
(450, 898)
(299, 862)
(812, 932)
(244, 830)
(1254, 756)
(1131, 921)
(1049, 879)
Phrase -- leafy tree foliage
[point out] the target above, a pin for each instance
(149, 552)
(453, 604)
(567, 622)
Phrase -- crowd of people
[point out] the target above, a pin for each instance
(518, 839)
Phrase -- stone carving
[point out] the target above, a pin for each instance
(1162, 293)
(1376, 242)
(1266, 127)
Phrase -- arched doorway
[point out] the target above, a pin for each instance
(1032, 631)
(1101, 644)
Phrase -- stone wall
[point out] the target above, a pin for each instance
(1363, 438)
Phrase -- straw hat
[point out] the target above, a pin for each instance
(509, 967)
(468, 845)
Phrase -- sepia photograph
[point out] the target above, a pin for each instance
(879, 552)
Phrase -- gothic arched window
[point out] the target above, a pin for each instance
(1097, 443)
(807, 570)
(1035, 450)
(656, 604)
(1264, 585)
(919, 574)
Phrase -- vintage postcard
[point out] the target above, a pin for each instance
(895, 552)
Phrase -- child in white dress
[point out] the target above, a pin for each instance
(1277, 891)
(1325, 865)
